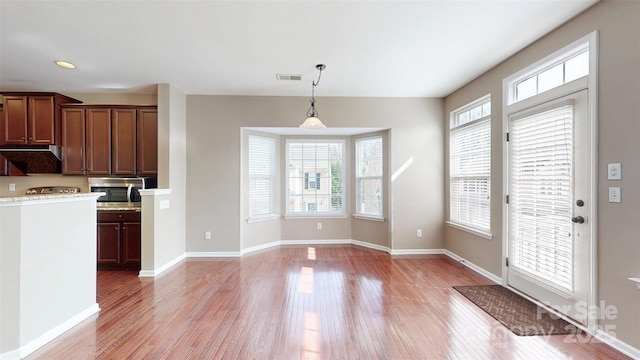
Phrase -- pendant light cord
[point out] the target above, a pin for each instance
(312, 110)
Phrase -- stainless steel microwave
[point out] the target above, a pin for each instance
(120, 192)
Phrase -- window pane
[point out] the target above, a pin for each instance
(315, 180)
(470, 171)
(369, 169)
(551, 78)
(577, 67)
(527, 88)
(261, 175)
(476, 113)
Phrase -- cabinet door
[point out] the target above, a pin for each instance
(15, 120)
(147, 153)
(73, 144)
(98, 138)
(130, 244)
(123, 132)
(108, 245)
(41, 125)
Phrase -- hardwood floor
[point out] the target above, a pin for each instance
(322, 302)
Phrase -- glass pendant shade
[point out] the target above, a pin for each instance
(313, 123)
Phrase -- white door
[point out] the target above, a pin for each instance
(549, 201)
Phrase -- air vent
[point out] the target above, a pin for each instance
(293, 77)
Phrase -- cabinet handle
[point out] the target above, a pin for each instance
(120, 216)
(124, 228)
(22, 137)
(30, 138)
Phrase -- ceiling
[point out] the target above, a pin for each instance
(371, 48)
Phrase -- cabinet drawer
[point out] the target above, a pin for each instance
(118, 216)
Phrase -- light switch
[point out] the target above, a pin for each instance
(614, 171)
(614, 194)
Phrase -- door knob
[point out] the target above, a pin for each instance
(578, 220)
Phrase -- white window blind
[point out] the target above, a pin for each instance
(262, 153)
(541, 199)
(369, 176)
(315, 177)
(470, 175)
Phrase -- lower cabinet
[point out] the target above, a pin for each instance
(118, 240)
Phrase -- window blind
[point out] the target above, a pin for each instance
(315, 177)
(541, 196)
(470, 174)
(262, 153)
(369, 159)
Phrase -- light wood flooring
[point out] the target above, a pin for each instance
(321, 302)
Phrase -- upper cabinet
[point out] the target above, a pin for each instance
(32, 118)
(147, 137)
(109, 140)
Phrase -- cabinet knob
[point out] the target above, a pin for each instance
(124, 228)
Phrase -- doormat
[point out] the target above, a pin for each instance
(521, 316)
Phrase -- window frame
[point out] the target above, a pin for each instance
(318, 214)
(456, 125)
(358, 211)
(271, 177)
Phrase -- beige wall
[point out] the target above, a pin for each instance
(214, 165)
(170, 222)
(618, 134)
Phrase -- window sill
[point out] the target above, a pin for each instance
(368, 217)
(315, 216)
(263, 218)
(482, 234)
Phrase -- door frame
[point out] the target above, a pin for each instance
(589, 83)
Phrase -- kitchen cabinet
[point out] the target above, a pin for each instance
(32, 118)
(86, 141)
(123, 145)
(116, 140)
(147, 136)
(118, 240)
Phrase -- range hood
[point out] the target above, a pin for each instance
(34, 158)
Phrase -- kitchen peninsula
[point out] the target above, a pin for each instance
(47, 268)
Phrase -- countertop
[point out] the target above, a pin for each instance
(20, 199)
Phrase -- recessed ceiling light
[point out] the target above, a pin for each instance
(65, 64)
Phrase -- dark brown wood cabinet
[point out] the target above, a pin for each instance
(123, 141)
(119, 242)
(147, 147)
(32, 118)
(86, 141)
(116, 140)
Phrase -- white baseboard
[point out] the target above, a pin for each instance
(161, 269)
(259, 247)
(57, 331)
(371, 246)
(213, 254)
(417, 251)
(10, 355)
(496, 279)
(317, 242)
(619, 345)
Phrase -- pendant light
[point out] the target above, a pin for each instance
(312, 122)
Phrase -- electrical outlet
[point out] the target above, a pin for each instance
(207, 235)
(614, 171)
(419, 233)
(12, 187)
(614, 194)
(319, 226)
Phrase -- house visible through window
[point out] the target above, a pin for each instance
(470, 165)
(369, 155)
(315, 177)
(312, 182)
